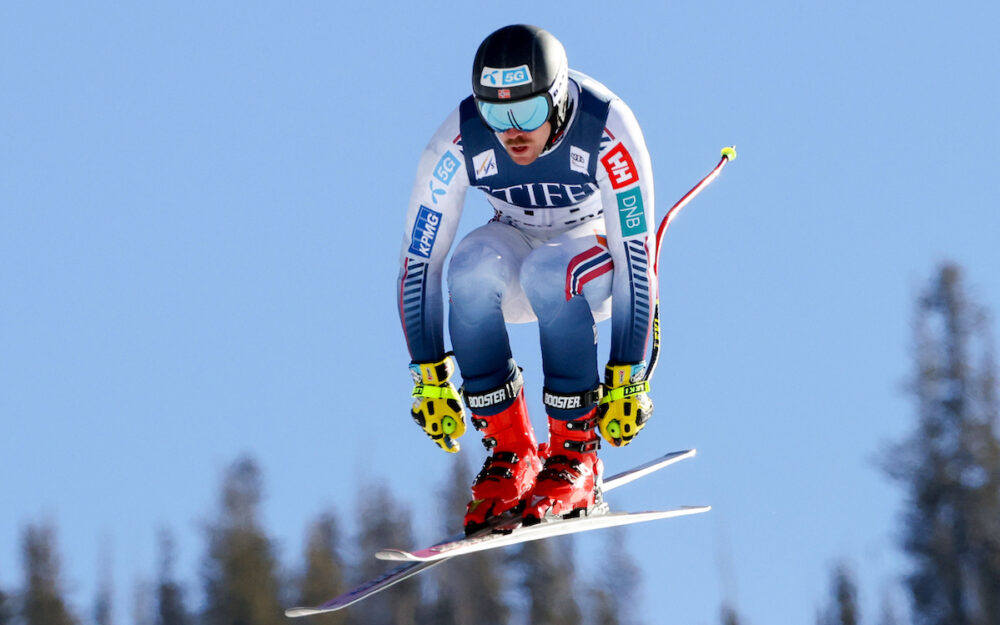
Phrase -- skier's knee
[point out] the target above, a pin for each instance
(543, 277)
(477, 272)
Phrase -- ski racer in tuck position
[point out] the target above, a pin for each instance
(564, 165)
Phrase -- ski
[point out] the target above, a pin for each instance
(369, 588)
(546, 529)
(410, 568)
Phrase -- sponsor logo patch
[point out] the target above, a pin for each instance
(435, 192)
(579, 160)
(443, 172)
(425, 232)
(485, 400)
(566, 402)
(485, 164)
(621, 170)
(538, 194)
(446, 168)
(631, 213)
(505, 76)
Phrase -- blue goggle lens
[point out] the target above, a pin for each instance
(526, 115)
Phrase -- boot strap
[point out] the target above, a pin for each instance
(508, 391)
(570, 401)
(494, 471)
(582, 425)
(582, 447)
(560, 468)
(491, 469)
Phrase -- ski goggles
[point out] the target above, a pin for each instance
(526, 115)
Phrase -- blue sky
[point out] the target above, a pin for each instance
(200, 212)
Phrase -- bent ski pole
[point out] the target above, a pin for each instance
(728, 154)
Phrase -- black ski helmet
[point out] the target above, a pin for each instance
(519, 62)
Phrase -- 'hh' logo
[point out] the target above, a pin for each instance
(425, 232)
(618, 163)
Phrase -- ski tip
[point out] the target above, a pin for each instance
(696, 509)
(683, 454)
(393, 555)
(297, 612)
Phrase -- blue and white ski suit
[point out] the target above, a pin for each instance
(571, 242)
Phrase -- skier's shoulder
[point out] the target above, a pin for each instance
(591, 87)
(448, 133)
(596, 99)
(621, 125)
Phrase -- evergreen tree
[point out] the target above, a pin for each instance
(602, 607)
(729, 615)
(383, 522)
(887, 614)
(324, 574)
(240, 568)
(102, 606)
(170, 609)
(614, 594)
(105, 588)
(5, 609)
(548, 581)
(470, 589)
(143, 603)
(950, 465)
(42, 602)
(843, 607)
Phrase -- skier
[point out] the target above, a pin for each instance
(564, 165)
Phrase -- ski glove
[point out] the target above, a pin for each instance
(625, 406)
(437, 405)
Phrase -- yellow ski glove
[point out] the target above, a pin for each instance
(437, 405)
(625, 406)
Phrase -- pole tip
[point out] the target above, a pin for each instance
(729, 152)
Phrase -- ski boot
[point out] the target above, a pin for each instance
(509, 472)
(570, 482)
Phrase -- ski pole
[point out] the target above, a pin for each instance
(728, 154)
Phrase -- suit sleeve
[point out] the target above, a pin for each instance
(432, 218)
(625, 180)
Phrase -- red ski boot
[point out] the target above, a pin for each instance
(509, 473)
(570, 482)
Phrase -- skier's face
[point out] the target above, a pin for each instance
(524, 147)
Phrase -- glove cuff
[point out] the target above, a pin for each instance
(433, 373)
(621, 392)
(617, 375)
